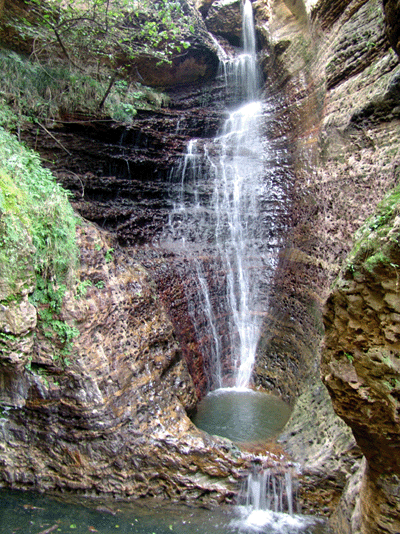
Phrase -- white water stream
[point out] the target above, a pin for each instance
(219, 221)
(237, 175)
(223, 224)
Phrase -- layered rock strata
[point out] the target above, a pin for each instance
(361, 363)
(110, 416)
(343, 117)
(337, 85)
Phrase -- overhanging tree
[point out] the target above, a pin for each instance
(111, 32)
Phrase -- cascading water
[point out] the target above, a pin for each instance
(221, 215)
(267, 504)
(222, 224)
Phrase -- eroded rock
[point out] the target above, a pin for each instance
(361, 367)
(224, 19)
(392, 12)
(110, 416)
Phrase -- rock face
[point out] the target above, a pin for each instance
(342, 116)
(392, 13)
(110, 417)
(224, 19)
(361, 364)
(196, 64)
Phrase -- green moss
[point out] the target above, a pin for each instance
(37, 237)
(378, 238)
(35, 213)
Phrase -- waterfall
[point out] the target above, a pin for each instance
(220, 219)
(266, 489)
(267, 504)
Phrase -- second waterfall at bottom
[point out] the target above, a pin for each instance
(267, 503)
(266, 490)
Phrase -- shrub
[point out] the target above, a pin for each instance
(34, 211)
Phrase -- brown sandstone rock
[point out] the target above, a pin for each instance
(361, 368)
(110, 417)
(203, 6)
(334, 79)
(342, 116)
(224, 19)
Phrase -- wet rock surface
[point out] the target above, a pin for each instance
(335, 79)
(342, 118)
(224, 19)
(110, 417)
(361, 369)
(328, 457)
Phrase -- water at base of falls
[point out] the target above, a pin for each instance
(268, 501)
(241, 415)
(269, 522)
(250, 419)
(31, 513)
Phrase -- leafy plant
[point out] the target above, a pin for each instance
(82, 288)
(114, 33)
(48, 299)
(375, 240)
(109, 255)
(42, 91)
(35, 210)
(37, 235)
(349, 356)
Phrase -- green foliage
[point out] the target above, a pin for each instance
(82, 288)
(37, 235)
(48, 298)
(109, 255)
(48, 295)
(8, 118)
(349, 356)
(34, 207)
(39, 92)
(106, 35)
(375, 239)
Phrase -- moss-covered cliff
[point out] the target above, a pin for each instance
(360, 363)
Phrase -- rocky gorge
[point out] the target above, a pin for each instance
(115, 421)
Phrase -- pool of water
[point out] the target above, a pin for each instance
(242, 415)
(30, 513)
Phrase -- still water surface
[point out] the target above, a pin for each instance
(242, 415)
(29, 513)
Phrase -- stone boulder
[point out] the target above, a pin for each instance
(194, 65)
(203, 6)
(224, 19)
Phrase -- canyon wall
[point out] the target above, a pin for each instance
(341, 80)
(334, 80)
(109, 417)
